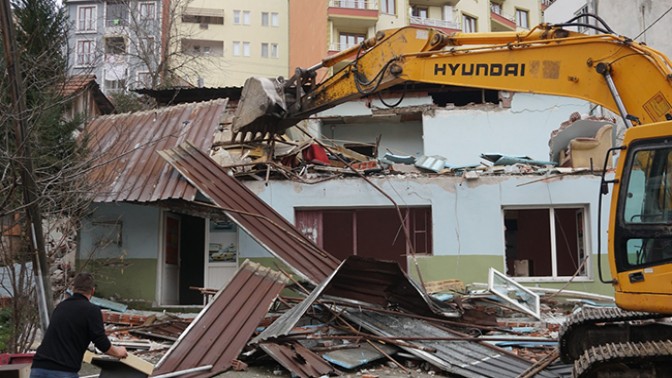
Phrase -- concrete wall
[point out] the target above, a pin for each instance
(462, 134)
(467, 216)
(125, 267)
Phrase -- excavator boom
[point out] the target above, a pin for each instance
(606, 69)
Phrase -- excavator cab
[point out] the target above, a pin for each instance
(642, 232)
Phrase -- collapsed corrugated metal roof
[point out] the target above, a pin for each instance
(253, 215)
(127, 167)
(465, 358)
(364, 281)
(298, 359)
(219, 333)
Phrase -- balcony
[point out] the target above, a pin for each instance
(443, 25)
(353, 14)
(500, 22)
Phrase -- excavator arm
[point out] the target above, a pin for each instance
(613, 71)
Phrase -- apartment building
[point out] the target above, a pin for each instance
(232, 41)
(117, 41)
(322, 27)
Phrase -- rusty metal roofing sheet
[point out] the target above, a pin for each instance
(363, 280)
(221, 330)
(124, 149)
(464, 358)
(253, 215)
(298, 359)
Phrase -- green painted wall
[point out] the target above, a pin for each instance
(124, 279)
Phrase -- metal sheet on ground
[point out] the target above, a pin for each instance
(361, 354)
(465, 358)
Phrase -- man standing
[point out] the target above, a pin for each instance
(74, 324)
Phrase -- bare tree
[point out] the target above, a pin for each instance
(58, 162)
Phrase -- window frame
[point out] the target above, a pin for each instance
(149, 5)
(388, 7)
(92, 22)
(584, 247)
(469, 20)
(91, 54)
(526, 13)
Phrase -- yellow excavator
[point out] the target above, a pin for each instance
(627, 77)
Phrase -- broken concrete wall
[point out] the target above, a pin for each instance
(120, 244)
(467, 216)
(461, 134)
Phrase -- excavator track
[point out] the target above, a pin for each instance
(596, 326)
(626, 360)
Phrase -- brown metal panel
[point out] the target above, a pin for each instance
(123, 146)
(299, 360)
(221, 331)
(258, 219)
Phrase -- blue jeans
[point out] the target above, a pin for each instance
(46, 373)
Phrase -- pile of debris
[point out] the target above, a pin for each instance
(366, 312)
(301, 157)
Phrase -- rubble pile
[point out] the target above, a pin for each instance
(310, 160)
(368, 313)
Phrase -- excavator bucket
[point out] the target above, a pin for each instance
(261, 107)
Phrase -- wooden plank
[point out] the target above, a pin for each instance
(132, 361)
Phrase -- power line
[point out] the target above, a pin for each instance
(654, 22)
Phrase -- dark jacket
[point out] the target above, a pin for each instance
(74, 324)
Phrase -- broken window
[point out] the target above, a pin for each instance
(115, 45)
(371, 232)
(545, 242)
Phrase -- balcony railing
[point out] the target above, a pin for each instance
(354, 4)
(335, 46)
(434, 22)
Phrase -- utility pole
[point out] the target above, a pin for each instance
(25, 164)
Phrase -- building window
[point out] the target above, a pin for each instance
(116, 13)
(115, 46)
(388, 6)
(347, 40)
(270, 19)
(269, 50)
(86, 19)
(369, 232)
(584, 20)
(86, 52)
(114, 86)
(195, 16)
(146, 46)
(496, 8)
(545, 242)
(241, 48)
(468, 24)
(241, 17)
(147, 10)
(420, 12)
(522, 18)
(144, 80)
